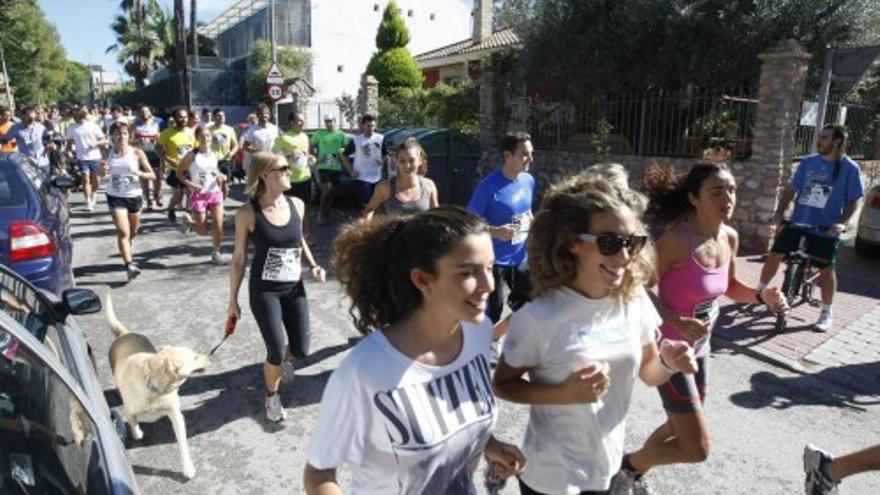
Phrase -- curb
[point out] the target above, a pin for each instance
(765, 356)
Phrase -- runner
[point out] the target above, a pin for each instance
(174, 143)
(409, 191)
(369, 150)
(294, 145)
(30, 138)
(127, 166)
(6, 124)
(827, 189)
(696, 264)
(277, 294)
(329, 144)
(87, 138)
(146, 133)
(225, 144)
(419, 285)
(260, 136)
(589, 331)
(198, 171)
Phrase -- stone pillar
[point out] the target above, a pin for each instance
(368, 96)
(760, 179)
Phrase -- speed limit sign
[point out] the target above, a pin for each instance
(275, 91)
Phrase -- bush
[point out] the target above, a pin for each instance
(444, 106)
(395, 69)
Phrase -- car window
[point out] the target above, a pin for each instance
(48, 440)
(26, 306)
(12, 188)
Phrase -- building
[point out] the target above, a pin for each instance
(339, 34)
(102, 82)
(460, 61)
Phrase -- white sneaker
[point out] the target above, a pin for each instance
(274, 409)
(823, 324)
(132, 271)
(186, 223)
(818, 479)
(90, 206)
(219, 258)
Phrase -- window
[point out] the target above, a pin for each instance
(48, 439)
(375, 7)
(432, 16)
(340, 68)
(11, 186)
(409, 13)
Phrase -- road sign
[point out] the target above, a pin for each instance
(274, 75)
(275, 92)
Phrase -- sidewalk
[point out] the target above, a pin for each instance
(849, 354)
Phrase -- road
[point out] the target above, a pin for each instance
(760, 416)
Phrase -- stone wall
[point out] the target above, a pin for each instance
(368, 97)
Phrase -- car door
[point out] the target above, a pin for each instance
(52, 437)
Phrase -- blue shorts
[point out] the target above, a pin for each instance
(86, 166)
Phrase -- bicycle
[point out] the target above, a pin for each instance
(800, 279)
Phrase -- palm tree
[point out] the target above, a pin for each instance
(138, 47)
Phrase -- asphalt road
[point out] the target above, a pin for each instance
(760, 416)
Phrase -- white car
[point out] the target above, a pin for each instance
(868, 234)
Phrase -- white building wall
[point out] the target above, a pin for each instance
(344, 34)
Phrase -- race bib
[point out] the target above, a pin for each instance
(182, 150)
(122, 183)
(815, 195)
(523, 223)
(206, 180)
(300, 161)
(148, 145)
(329, 160)
(707, 312)
(283, 265)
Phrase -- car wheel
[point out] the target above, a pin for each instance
(863, 249)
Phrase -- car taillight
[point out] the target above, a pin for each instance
(27, 240)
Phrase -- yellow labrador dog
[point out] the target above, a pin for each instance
(148, 381)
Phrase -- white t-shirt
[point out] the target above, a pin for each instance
(368, 157)
(575, 448)
(403, 426)
(204, 172)
(261, 137)
(147, 133)
(83, 135)
(123, 182)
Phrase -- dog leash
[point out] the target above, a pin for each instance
(230, 329)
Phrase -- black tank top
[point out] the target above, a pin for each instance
(278, 251)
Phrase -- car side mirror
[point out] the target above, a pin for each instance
(80, 302)
(63, 182)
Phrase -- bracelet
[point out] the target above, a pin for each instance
(666, 366)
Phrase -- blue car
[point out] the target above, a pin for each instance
(35, 237)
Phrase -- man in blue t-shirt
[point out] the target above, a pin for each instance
(504, 200)
(827, 188)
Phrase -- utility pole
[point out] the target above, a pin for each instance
(274, 52)
(6, 78)
(192, 27)
(180, 55)
(824, 89)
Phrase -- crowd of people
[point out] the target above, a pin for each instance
(603, 282)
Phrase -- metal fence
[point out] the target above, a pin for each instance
(681, 123)
(861, 122)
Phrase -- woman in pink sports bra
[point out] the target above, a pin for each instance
(695, 265)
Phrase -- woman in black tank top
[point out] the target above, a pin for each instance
(277, 295)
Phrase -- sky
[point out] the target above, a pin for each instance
(84, 26)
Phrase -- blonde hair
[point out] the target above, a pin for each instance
(261, 161)
(567, 211)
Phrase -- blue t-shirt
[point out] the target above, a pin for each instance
(501, 201)
(819, 201)
(30, 140)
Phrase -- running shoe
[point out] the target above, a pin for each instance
(640, 486)
(622, 483)
(132, 271)
(186, 223)
(172, 216)
(90, 206)
(274, 409)
(219, 258)
(823, 324)
(817, 465)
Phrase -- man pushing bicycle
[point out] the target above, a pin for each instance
(827, 188)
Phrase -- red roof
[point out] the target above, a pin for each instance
(498, 39)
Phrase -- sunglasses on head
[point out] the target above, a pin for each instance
(611, 244)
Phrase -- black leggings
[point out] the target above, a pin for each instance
(525, 490)
(278, 312)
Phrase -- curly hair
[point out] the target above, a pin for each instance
(567, 211)
(373, 260)
(669, 192)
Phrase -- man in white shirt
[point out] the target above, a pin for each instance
(369, 152)
(260, 136)
(87, 139)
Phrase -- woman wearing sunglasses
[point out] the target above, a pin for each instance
(277, 294)
(696, 263)
(589, 331)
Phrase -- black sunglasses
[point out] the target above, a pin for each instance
(611, 244)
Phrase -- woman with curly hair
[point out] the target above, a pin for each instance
(588, 332)
(696, 264)
(411, 408)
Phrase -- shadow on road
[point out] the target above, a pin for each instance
(165, 473)
(856, 387)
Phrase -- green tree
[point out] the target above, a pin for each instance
(291, 61)
(512, 13)
(138, 47)
(452, 107)
(75, 88)
(393, 66)
(35, 58)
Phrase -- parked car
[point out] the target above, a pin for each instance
(868, 233)
(57, 434)
(34, 224)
